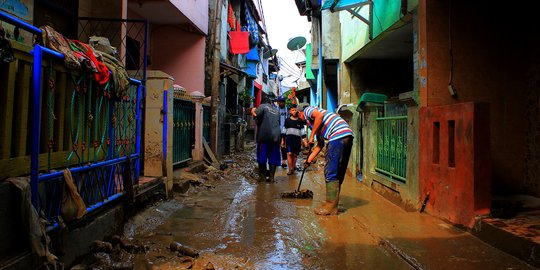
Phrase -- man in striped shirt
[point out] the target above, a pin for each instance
(331, 127)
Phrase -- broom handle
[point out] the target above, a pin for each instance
(303, 171)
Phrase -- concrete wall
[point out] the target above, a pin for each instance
(354, 33)
(196, 11)
(391, 77)
(331, 37)
(101, 8)
(157, 162)
(491, 60)
(179, 54)
(532, 162)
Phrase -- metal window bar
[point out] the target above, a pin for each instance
(135, 40)
(392, 147)
(98, 180)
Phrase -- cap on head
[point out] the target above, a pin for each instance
(281, 98)
(271, 96)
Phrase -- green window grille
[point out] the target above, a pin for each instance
(392, 146)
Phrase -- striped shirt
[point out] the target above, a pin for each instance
(333, 126)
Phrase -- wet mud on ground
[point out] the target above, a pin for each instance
(234, 222)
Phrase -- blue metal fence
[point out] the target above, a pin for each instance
(113, 169)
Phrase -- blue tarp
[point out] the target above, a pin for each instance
(342, 4)
(253, 55)
(251, 69)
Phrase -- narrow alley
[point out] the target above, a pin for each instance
(265, 134)
(235, 222)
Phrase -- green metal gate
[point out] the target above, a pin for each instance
(392, 146)
(183, 130)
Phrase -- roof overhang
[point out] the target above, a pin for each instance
(394, 43)
(228, 70)
(162, 12)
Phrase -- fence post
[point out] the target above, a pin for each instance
(198, 152)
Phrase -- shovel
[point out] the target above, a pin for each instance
(300, 194)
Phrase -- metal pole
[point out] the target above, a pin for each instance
(36, 117)
(19, 23)
(35, 127)
(165, 121)
(138, 135)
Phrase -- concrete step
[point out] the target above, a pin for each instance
(513, 226)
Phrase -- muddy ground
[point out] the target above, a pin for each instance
(234, 222)
(225, 219)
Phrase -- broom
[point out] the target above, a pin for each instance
(300, 194)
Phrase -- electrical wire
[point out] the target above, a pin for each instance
(296, 70)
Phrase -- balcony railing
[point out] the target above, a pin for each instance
(58, 120)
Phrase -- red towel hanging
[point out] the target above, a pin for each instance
(239, 41)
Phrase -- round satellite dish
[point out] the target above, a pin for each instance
(296, 43)
(269, 53)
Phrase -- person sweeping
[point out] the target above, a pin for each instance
(328, 126)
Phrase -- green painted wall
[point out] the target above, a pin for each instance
(355, 33)
(385, 13)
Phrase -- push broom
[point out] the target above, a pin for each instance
(300, 194)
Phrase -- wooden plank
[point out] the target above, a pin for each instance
(215, 161)
(7, 112)
(22, 113)
(20, 166)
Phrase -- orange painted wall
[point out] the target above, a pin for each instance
(454, 161)
(179, 54)
(490, 60)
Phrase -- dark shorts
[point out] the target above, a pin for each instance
(268, 152)
(294, 144)
(337, 159)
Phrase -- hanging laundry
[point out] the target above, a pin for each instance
(56, 41)
(102, 72)
(6, 52)
(231, 19)
(119, 74)
(239, 41)
(252, 28)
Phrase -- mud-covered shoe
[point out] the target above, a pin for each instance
(262, 172)
(271, 173)
(327, 209)
(330, 205)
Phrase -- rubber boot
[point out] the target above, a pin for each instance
(262, 172)
(271, 173)
(330, 206)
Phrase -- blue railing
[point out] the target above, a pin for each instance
(99, 181)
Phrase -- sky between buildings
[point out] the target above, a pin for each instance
(283, 22)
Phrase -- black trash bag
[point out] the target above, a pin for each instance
(6, 52)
